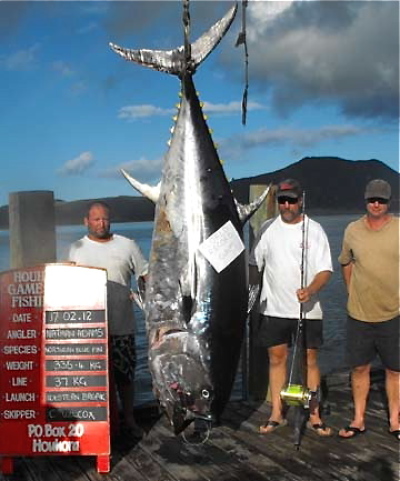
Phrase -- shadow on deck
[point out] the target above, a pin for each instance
(236, 452)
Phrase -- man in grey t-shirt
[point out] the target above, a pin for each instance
(121, 257)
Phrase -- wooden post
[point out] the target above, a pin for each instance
(258, 355)
(32, 228)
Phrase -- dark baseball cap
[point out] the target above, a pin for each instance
(289, 188)
(378, 188)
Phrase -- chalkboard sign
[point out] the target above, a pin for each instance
(54, 363)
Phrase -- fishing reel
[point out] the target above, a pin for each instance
(298, 395)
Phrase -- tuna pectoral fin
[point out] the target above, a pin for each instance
(246, 211)
(148, 191)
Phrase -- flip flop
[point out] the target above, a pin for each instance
(321, 429)
(271, 426)
(396, 434)
(352, 429)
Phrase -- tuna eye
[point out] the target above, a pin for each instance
(205, 394)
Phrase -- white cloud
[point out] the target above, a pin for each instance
(90, 27)
(295, 138)
(63, 68)
(77, 165)
(134, 112)
(143, 169)
(78, 88)
(230, 107)
(21, 59)
(344, 53)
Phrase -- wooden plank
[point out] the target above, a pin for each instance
(324, 457)
(32, 228)
(124, 470)
(67, 468)
(236, 452)
(40, 469)
(249, 459)
(277, 447)
(140, 460)
(188, 462)
(256, 355)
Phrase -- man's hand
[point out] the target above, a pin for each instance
(303, 295)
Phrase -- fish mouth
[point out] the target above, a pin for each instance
(185, 409)
(181, 378)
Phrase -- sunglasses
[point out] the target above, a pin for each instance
(372, 200)
(289, 200)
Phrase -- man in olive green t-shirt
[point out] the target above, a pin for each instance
(370, 268)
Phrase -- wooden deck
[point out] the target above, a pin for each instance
(236, 452)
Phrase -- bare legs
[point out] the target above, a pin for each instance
(277, 378)
(313, 382)
(360, 382)
(393, 395)
(360, 389)
(278, 356)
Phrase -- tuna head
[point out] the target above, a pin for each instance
(180, 379)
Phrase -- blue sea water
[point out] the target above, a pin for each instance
(333, 297)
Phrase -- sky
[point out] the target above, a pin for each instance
(323, 81)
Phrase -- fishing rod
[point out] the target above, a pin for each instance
(296, 392)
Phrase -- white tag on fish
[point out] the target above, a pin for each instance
(222, 247)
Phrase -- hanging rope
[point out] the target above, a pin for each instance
(242, 39)
(186, 33)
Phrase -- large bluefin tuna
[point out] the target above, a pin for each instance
(196, 295)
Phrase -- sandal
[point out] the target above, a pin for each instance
(271, 426)
(320, 428)
(351, 429)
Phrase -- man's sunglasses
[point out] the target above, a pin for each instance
(372, 200)
(289, 200)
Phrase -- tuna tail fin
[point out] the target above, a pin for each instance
(149, 191)
(247, 210)
(173, 61)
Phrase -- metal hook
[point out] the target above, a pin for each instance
(199, 436)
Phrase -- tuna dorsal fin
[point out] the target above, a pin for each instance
(148, 191)
(247, 210)
(173, 61)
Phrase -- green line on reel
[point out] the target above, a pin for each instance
(296, 395)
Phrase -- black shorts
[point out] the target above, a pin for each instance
(278, 330)
(123, 358)
(367, 339)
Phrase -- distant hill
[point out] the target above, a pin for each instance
(123, 208)
(332, 185)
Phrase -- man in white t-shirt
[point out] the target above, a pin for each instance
(121, 257)
(288, 249)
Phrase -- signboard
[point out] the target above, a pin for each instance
(54, 363)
